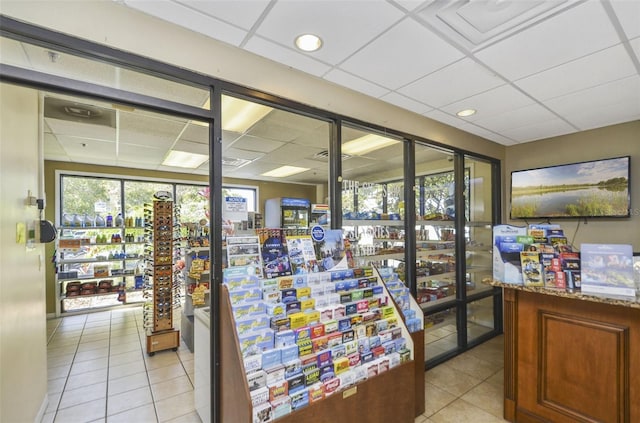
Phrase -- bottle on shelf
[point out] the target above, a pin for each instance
(109, 220)
(100, 222)
(119, 222)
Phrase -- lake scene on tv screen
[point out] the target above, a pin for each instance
(590, 189)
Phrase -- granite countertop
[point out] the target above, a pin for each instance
(566, 294)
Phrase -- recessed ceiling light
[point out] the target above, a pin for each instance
(367, 144)
(466, 112)
(308, 42)
(184, 159)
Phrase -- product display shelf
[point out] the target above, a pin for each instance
(187, 327)
(106, 269)
(162, 230)
(372, 222)
(389, 396)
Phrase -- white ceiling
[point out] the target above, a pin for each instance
(532, 69)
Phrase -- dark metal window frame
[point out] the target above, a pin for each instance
(29, 33)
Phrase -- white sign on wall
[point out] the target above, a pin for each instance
(235, 209)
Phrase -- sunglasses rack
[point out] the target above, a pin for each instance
(162, 285)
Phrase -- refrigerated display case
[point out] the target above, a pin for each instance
(287, 212)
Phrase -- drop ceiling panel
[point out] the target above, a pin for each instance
(345, 79)
(384, 154)
(190, 19)
(318, 138)
(589, 71)
(443, 117)
(317, 176)
(484, 133)
(149, 156)
(490, 103)
(65, 127)
(255, 170)
(142, 138)
(406, 102)
(237, 153)
(516, 118)
(618, 100)
(355, 163)
(547, 129)
(52, 146)
(79, 149)
(240, 13)
(191, 147)
(577, 32)
(628, 13)
(291, 154)
(459, 80)
(286, 55)
(401, 55)
(196, 133)
(251, 143)
(343, 26)
(285, 126)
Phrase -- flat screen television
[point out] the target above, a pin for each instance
(596, 188)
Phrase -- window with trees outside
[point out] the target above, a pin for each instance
(87, 198)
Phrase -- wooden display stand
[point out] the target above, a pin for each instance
(418, 359)
(388, 397)
(161, 226)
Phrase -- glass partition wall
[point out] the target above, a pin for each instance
(372, 195)
(437, 238)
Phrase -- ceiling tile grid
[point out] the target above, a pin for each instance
(436, 58)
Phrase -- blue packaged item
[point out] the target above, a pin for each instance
(299, 399)
(271, 358)
(299, 281)
(289, 353)
(284, 338)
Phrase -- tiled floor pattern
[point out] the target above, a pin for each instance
(99, 372)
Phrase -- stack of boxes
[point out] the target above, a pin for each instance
(305, 337)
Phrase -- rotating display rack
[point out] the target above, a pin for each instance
(162, 282)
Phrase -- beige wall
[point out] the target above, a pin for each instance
(611, 141)
(23, 346)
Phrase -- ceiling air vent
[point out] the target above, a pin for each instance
(476, 23)
(230, 161)
(324, 155)
(56, 108)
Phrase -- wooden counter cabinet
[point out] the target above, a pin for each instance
(570, 359)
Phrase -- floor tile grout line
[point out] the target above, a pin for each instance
(64, 387)
(144, 362)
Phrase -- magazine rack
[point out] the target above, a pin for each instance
(389, 396)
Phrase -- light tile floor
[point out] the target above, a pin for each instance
(99, 372)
